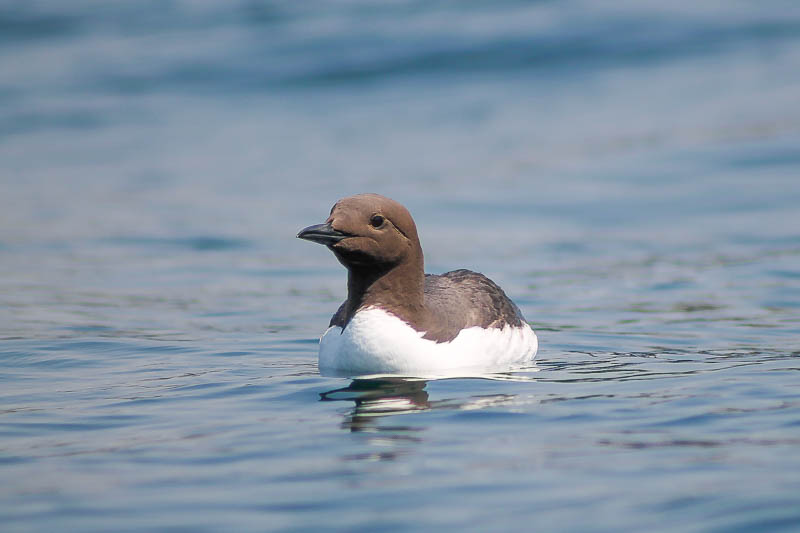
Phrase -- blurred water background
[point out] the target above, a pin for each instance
(628, 171)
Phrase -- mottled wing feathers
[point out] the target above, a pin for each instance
(339, 318)
(463, 299)
(454, 301)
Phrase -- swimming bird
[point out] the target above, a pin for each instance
(399, 320)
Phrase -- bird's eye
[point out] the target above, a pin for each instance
(376, 221)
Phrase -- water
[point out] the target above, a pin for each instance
(627, 172)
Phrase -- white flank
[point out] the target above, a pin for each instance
(377, 342)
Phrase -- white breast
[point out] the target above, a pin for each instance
(377, 342)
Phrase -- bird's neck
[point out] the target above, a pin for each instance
(399, 289)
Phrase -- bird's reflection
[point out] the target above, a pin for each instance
(379, 397)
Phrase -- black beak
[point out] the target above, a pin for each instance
(322, 234)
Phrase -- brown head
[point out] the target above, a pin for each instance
(368, 232)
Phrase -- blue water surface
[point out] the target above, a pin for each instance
(629, 172)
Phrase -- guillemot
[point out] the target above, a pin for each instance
(399, 320)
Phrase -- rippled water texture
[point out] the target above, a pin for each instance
(627, 171)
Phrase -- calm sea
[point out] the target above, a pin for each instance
(628, 171)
